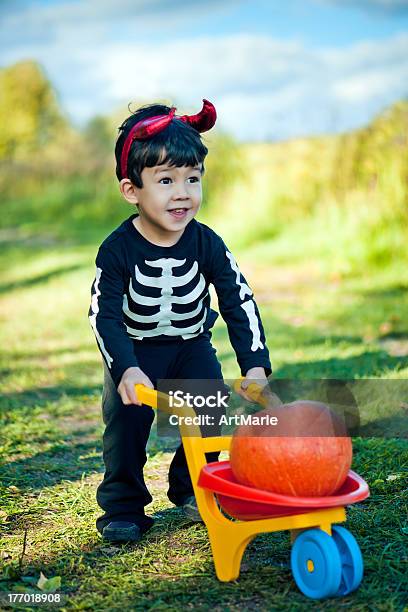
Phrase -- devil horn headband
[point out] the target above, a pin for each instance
(146, 128)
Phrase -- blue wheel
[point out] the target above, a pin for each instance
(316, 564)
(351, 560)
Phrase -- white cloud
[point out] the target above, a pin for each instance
(262, 87)
(363, 87)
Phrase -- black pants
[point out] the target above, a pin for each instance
(123, 493)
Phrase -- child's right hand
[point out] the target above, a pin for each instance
(126, 388)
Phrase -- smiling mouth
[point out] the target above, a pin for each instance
(178, 213)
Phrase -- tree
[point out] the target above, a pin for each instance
(28, 109)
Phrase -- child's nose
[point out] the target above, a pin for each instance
(181, 192)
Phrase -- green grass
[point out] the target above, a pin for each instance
(319, 323)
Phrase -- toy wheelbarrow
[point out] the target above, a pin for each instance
(326, 560)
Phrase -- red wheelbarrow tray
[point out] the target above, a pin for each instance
(248, 503)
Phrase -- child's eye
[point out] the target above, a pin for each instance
(167, 180)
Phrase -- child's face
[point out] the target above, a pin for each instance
(170, 196)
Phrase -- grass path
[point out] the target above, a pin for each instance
(51, 431)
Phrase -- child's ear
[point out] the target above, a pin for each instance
(128, 191)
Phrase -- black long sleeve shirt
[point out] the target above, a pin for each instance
(143, 292)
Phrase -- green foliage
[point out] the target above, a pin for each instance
(375, 158)
(49, 585)
(225, 165)
(341, 200)
(98, 142)
(29, 111)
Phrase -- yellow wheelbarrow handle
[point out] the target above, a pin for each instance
(150, 397)
(253, 391)
(146, 395)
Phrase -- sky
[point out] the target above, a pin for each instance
(274, 70)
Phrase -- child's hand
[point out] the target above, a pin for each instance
(126, 388)
(257, 375)
(254, 375)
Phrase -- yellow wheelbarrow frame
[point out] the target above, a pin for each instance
(229, 537)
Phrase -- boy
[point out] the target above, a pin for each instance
(150, 308)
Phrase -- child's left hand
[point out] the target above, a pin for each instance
(256, 375)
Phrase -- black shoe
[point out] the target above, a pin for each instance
(190, 510)
(121, 531)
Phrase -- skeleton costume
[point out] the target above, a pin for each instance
(150, 308)
(143, 293)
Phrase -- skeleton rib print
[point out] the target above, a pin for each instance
(165, 316)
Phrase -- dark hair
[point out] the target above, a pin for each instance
(178, 144)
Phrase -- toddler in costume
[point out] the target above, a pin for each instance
(150, 308)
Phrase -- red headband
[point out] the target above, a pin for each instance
(146, 128)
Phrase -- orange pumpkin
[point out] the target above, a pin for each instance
(307, 454)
